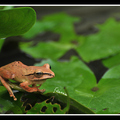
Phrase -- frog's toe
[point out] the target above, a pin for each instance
(11, 95)
(15, 98)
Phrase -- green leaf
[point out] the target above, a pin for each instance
(112, 73)
(108, 95)
(37, 109)
(62, 98)
(16, 21)
(76, 77)
(112, 61)
(49, 107)
(65, 110)
(106, 111)
(53, 50)
(58, 23)
(102, 44)
(82, 87)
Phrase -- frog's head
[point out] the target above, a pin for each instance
(44, 72)
(40, 72)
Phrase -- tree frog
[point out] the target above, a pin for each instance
(25, 75)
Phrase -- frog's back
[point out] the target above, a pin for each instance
(14, 65)
(14, 70)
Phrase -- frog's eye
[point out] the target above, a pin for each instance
(50, 67)
(38, 74)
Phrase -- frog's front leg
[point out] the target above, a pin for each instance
(7, 87)
(25, 86)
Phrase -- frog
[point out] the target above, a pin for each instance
(28, 77)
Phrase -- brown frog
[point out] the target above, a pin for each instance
(25, 75)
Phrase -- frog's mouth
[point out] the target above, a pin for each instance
(40, 76)
(47, 74)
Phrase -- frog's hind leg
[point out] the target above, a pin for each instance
(6, 74)
(7, 87)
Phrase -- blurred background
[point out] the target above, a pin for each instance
(89, 15)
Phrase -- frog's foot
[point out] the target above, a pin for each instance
(12, 95)
(34, 88)
(29, 89)
(25, 86)
(6, 84)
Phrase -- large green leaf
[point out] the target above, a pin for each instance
(82, 87)
(110, 90)
(16, 21)
(102, 44)
(71, 75)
